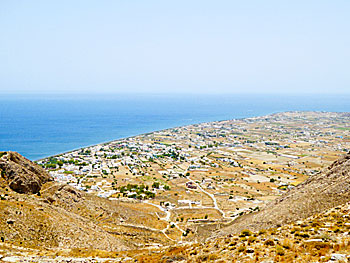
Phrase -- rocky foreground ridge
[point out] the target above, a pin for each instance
(36, 212)
(22, 175)
(310, 223)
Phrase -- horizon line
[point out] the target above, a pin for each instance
(172, 93)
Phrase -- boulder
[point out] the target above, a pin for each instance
(21, 174)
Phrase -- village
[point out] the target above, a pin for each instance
(210, 172)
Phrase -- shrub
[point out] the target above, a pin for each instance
(213, 257)
(301, 234)
(241, 248)
(279, 250)
(251, 239)
(262, 232)
(325, 237)
(295, 229)
(233, 243)
(245, 233)
(286, 243)
(269, 242)
(336, 230)
(315, 224)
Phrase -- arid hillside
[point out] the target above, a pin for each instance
(310, 223)
(322, 237)
(59, 223)
(318, 193)
(36, 212)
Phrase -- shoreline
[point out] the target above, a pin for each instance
(133, 136)
(125, 138)
(74, 122)
(141, 134)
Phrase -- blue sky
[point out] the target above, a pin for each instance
(175, 46)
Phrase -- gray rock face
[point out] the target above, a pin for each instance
(22, 175)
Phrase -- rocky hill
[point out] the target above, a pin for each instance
(322, 237)
(36, 212)
(315, 195)
(20, 173)
(310, 223)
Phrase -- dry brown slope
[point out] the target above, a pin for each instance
(315, 195)
(62, 216)
(21, 174)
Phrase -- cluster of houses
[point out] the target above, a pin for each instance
(200, 147)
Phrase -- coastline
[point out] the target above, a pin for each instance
(39, 127)
(181, 126)
(129, 137)
(141, 134)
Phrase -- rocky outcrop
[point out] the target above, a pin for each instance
(22, 175)
(63, 216)
(317, 194)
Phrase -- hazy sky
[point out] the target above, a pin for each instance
(175, 46)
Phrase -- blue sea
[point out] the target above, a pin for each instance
(38, 126)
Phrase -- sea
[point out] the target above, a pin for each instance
(42, 125)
